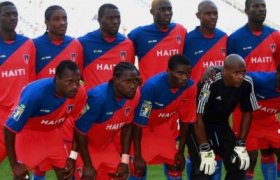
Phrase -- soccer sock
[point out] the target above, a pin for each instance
(36, 177)
(218, 173)
(268, 166)
(188, 167)
(249, 175)
(278, 171)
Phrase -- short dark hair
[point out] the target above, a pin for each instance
(6, 3)
(178, 59)
(123, 66)
(248, 3)
(102, 9)
(65, 64)
(49, 11)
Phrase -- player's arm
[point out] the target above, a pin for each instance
(180, 158)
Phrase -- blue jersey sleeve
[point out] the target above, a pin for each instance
(22, 112)
(145, 106)
(90, 114)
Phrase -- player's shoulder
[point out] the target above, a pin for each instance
(237, 33)
(99, 92)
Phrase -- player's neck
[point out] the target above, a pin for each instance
(206, 32)
(255, 27)
(108, 37)
(55, 38)
(8, 36)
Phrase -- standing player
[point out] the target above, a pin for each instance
(259, 45)
(17, 64)
(110, 109)
(105, 47)
(206, 46)
(35, 121)
(156, 43)
(167, 97)
(264, 131)
(216, 101)
(54, 46)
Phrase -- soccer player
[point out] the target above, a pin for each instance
(31, 136)
(166, 97)
(105, 47)
(110, 109)
(51, 48)
(215, 102)
(17, 60)
(206, 46)
(264, 131)
(156, 43)
(54, 45)
(259, 45)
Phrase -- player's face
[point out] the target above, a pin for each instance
(68, 84)
(57, 24)
(179, 76)
(8, 18)
(236, 75)
(162, 13)
(256, 11)
(110, 22)
(208, 16)
(125, 85)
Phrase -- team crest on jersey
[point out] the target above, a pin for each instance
(179, 39)
(127, 111)
(146, 109)
(70, 108)
(204, 95)
(123, 55)
(273, 47)
(223, 51)
(73, 57)
(18, 112)
(26, 58)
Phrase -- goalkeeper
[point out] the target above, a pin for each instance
(216, 100)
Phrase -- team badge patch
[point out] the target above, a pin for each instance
(123, 55)
(26, 58)
(18, 112)
(146, 109)
(273, 47)
(70, 108)
(127, 111)
(179, 39)
(73, 57)
(204, 95)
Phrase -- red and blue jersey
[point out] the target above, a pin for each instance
(260, 52)
(17, 68)
(100, 56)
(204, 52)
(267, 94)
(160, 104)
(44, 111)
(154, 47)
(105, 115)
(49, 54)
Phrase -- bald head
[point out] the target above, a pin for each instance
(156, 2)
(205, 4)
(234, 60)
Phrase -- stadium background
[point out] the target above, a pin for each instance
(82, 18)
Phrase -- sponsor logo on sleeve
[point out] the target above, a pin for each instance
(146, 109)
(18, 112)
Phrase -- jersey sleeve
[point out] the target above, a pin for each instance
(145, 106)
(21, 112)
(248, 101)
(82, 95)
(187, 112)
(231, 43)
(204, 91)
(89, 115)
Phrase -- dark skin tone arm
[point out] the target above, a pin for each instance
(139, 163)
(122, 170)
(82, 143)
(245, 124)
(18, 169)
(199, 130)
